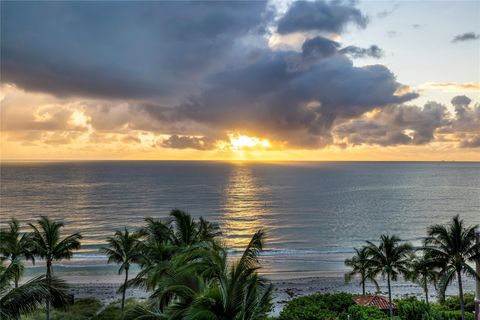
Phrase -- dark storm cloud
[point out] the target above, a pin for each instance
(319, 47)
(197, 70)
(466, 37)
(291, 99)
(187, 142)
(471, 143)
(412, 125)
(396, 125)
(356, 52)
(461, 101)
(120, 49)
(330, 16)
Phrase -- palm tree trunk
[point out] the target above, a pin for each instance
(17, 277)
(425, 289)
(48, 278)
(389, 295)
(124, 292)
(460, 291)
(363, 286)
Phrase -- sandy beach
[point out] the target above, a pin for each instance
(284, 290)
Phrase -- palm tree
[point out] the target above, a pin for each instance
(25, 298)
(47, 244)
(202, 284)
(162, 240)
(124, 249)
(360, 266)
(186, 231)
(15, 246)
(157, 251)
(452, 247)
(423, 270)
(390, 258)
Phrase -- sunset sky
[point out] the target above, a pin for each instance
(277, 80)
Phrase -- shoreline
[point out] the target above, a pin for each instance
(284, 290)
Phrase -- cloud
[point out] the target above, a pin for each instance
(356, 52)
(319, 47)
(452, 86)
(386, 13)
(466, 37)
(467, 118)
(328, 16)
(471, 143)
(413, 125)
(289, 98)
(183, 75)
(395, 125)
(461, 101)
(188, 142)
(129, 51)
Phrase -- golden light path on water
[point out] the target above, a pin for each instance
(245, 210)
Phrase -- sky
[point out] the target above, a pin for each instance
(274, 80)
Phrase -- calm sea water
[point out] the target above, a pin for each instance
(314, 213)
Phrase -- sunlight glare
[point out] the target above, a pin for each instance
(240, 142)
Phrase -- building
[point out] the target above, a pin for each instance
(377, 301)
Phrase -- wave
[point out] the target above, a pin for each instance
(268, 252)
(297, 252)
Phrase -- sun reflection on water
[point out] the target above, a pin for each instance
(245, 209)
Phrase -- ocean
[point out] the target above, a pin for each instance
(314, 213)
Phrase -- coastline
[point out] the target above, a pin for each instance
(105, 289)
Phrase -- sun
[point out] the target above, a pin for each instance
(241, 142)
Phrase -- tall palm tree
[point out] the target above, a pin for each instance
(453, 246)
(47, 244)
(390, 258)
(157, 251)
(124, 248)
(423, 270)
(360, 266)
(15, 246)
(27, 297)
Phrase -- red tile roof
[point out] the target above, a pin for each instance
(373, 300)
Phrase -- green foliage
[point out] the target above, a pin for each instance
(453, 247)
(360, 266)
(81, 310)
(456, 315)
(357, 312)
(26, 298)
(113, 310)
(317, 307)
(413, 309)
(453, 303)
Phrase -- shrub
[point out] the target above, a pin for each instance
(413, 309)
(456, 315)
(113, 312)
(82, 309)
(453, 303)
(357, 312)
(317, 307)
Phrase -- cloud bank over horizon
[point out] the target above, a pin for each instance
(186, 75)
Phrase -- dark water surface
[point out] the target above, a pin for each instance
(314, 213)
